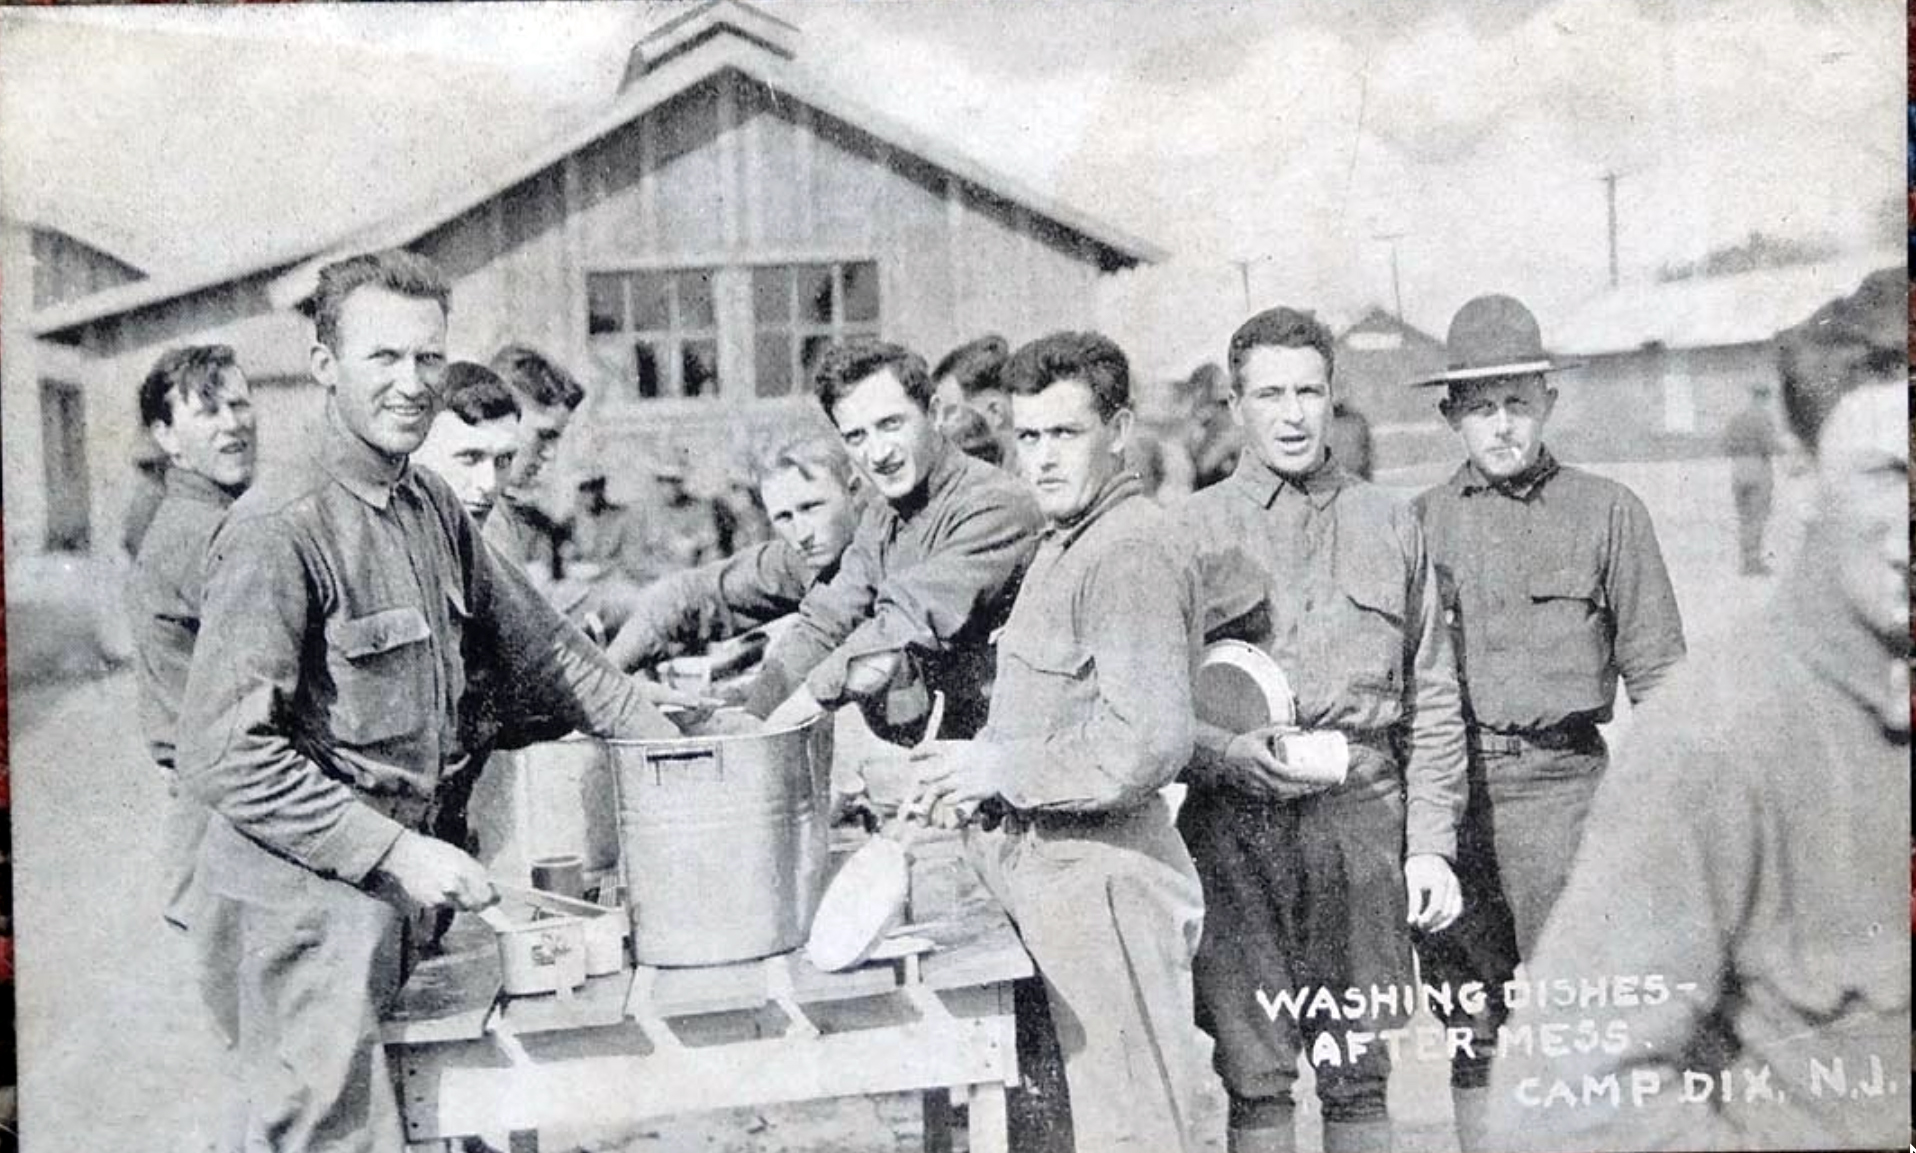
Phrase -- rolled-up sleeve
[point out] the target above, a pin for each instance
(1649, 628)
(237, 754)
(1137, 615)
(1435, 772)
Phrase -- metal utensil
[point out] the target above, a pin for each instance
(867, 899)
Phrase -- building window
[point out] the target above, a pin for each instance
(63, 453)
(657, 330)
(660, 330)
(797, 309)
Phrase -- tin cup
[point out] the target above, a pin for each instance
(564, 875)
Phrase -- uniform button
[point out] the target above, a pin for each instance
(1309, 604)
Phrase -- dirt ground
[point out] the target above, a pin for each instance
(116, 1055)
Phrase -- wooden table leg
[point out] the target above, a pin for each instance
(987, 1126)
(937, 1120)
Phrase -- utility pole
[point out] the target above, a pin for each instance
(1610, 193)
(1396, 286)
(1244, 278)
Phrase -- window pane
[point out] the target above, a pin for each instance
(604, 303)
(861, 292)
(772, 296)
(774, 361)
(695, 300)
(698, 368)
(646, 362)
(651, 301)
(809, 353)
(815, 293)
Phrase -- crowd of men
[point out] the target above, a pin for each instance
(331, 650)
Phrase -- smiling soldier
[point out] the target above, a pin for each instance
(348, 599)
(1090, 715)
(198, 408)
(930, 571)
(1555, 589)
(1312, 887)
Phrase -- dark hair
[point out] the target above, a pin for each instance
(1279, 328)
(844, 365)
(976, 364)
(537, 377)
(395, 270)
(475, 394)
(1845, 344)
(182, 372)
(968, 429)
(1090, 357)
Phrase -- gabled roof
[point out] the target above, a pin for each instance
(1712, 312)
(705, 43)
(1379, 321)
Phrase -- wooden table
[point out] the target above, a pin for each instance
(651, 1042)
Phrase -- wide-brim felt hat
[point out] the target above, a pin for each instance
(1493, 336)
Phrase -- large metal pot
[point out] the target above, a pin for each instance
(723, 841)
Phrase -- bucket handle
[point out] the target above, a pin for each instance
(677, 760)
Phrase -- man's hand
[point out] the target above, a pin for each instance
(1434, 895)
(686, 708)
(431, 872)
(797, 709)
(955, 777)
(1251, 765)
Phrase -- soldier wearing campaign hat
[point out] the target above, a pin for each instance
(1553, 588)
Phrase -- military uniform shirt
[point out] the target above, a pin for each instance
(1328, 574)
(167, 587)
(1553, 587)
(346, 598)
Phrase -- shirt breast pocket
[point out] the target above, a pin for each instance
(1039, 675)
(1567, 626)
(380, 674)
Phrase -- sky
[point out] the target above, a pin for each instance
(1285, 137)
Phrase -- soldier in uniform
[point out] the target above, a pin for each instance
(805, 480)
(1554, 589)
(474, 441)
(1308, 887)
(1090, 715)
(348, 599)
(1739, 897)
(930, 571)
(198, 409)
(548, 397)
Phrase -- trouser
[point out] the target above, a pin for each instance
(1519, 836)
(1301, 896)
(1110, 909)
(181, 827)
(1752, 513)
(302, 966)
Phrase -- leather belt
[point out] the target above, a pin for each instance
(1571, 735)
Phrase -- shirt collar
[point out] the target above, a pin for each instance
(945, 467)
(1838, 647)
(1117, 487)
(1320, 486)
(359, 468)
(1469, 480)
(185, 484)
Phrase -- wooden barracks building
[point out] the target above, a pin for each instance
(685, 253)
